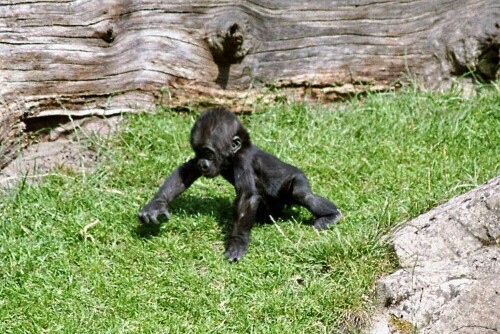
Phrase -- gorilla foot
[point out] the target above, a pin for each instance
(322, 223)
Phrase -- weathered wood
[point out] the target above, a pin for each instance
(11, 132)
(68, 55)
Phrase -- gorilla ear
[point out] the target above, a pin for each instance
(235, 144)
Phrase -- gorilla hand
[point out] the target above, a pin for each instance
(236, 248)
(152, 211)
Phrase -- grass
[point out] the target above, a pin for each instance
(74, 260)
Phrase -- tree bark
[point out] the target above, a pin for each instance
(78, 57)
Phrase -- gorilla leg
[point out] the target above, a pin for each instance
(326, 212)
(244, 212)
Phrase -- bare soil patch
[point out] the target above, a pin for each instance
(68, 146)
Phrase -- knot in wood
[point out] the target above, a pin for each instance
(227, 45)
(109, 36)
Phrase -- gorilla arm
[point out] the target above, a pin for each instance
(181, 179)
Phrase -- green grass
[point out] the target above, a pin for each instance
(382, 159)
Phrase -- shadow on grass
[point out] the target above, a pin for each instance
(219, 207)
(146, 231)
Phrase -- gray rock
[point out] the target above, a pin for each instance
(449, 281)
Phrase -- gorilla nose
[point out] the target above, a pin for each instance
(204, 165)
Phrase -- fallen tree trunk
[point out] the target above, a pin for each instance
(76, 57)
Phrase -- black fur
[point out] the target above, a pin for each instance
(264, 184)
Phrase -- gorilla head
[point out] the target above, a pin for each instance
(216, 137)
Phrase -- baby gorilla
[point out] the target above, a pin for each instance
(264, 184)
